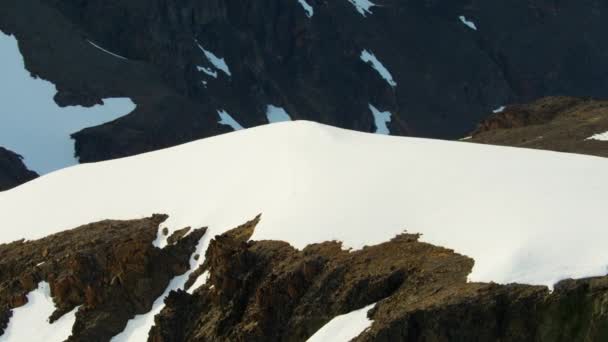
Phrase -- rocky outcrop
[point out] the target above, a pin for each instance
(269, 291)
(563, 124)
(109, 269)
(449, 75)
(12, 170)
(574, 311)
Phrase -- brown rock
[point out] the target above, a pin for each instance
(109, 268)
(269, 291)
(178, 234)
(561, 124)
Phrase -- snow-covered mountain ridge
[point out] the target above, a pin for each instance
(521, 215)
(455, 194)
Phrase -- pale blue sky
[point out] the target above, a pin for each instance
(32, 125)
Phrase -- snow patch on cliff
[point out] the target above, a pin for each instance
(276, 114)
(309, 10)
(599, 136)
(381, 119)
(468, 23)
(363, 6)
(499, 109)
(371, 59)
(227, 119)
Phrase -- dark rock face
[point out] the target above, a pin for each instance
(110, 269)
(269, 291)
(448, 75)
(12, 170)
(562, 124)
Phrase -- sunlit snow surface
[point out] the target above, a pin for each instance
(371, 59)
(363, 6)
(227, 119)
(32, 124)
(276, 114)
(524, 215)
(313, 183)
(599, 136)
(381, 119)
(31, 321)
(309, 10)
(344, 328)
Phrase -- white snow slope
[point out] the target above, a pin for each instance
(524, 215)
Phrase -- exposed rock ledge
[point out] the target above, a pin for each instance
(270, 291)
(109, 268)
(563, 124)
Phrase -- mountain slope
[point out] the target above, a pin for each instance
(438, 67)
(266, 290)
(314, 183)
(453, 193)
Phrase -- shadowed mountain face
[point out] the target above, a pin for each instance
(12, 170)
(449, 62)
